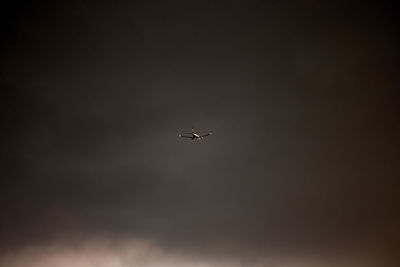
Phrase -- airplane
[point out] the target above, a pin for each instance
(194, 135)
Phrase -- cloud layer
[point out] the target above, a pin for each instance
(302, 166)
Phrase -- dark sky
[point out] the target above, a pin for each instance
(302, 168)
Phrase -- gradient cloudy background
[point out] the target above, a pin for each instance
(302, 168)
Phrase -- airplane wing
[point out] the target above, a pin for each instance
(185, 136)
(204, 135)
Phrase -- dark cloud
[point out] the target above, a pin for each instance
(302, 99)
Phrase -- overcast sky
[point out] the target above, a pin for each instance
(302, 168)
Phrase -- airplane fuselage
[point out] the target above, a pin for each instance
(194, 135)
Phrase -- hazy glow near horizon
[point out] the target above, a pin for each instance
(144, 254)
